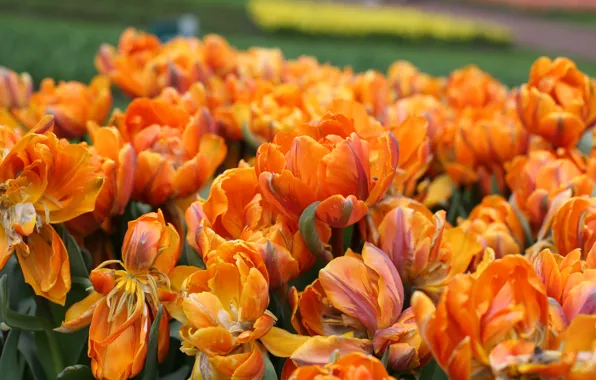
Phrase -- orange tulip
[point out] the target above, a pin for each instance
(372, 90)
(73, 104)
(261, 63)
(117, 163)
(558, 102)
(405, 80)
(568, 281)
(368, 307)
(8, 137)
(125, 302)
(575, 360)
(235, 209)
(225, 313)
(476, 314)
(426, 252)
(497, 226)
(472, 87)
(353, 366)
(44, 181)
(479, 143)
(15, 89)
(127, 65)
(175, 156)
(537, 178)
(437, 114)
(573, 226)
(414, 155)
(294, 172)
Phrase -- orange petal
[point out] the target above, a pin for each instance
(340, 212)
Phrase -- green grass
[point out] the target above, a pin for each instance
(66, 49)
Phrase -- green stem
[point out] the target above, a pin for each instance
(337, 242)
(57, 359)
(455, 207)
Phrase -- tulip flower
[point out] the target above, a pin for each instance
(235, 209)
(568, 281)
(15, 89)
(478, 144)
(338, 172)
(575, 360)
(225, 313)
(537, 178)
(414, 155)
(573, 226)
(368, 307)
(405, 80)
(426, 252)
(478, 313)
(175, 157)
(437, 114)
(72, 103)
(44, 181)
(117, 163)
(372, 90)
(128, 66)
(125, 302)
(497, 226)
(261, 63)
(349, 367)
(558, 102)
(472, 87)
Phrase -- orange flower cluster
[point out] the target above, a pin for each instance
(338, 225)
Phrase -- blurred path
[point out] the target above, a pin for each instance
(550, 36)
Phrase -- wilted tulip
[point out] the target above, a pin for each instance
(15, 89)
(476, 314)
(73, 104)
(125, 302)
(44, 181)
(497, 226)
(558, 102)
(175, 155)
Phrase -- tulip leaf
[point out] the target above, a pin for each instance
(252, 140)
(432, 371)
(269, 369)
(28, 348)
(386, 354)
(11, 364)
(150, 371)
(78, 268)
(75, 372)
(181, 373)
(455, 207)
(586, 142)
(19, 320)
(308, 230)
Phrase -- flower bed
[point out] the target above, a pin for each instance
(252, 216)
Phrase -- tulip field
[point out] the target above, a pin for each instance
(246, 215)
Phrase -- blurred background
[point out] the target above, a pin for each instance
(59, 38)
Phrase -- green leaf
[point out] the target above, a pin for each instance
(347, 234)
(586, 142)
(252, 140)
(76, 372)
(455, 207)
(386, 354)
(19, 320)
(150, 371)
(269, 369)
(11, 364)
(192, 257)
(432, 371)
(309, 232)
(27, 348)
(78, 268)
